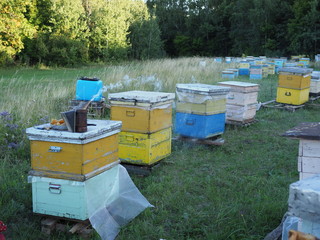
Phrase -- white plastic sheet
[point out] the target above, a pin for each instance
(118, 202)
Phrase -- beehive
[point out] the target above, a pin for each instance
(292, 96)
(241, 93)
(228, 74)
(241, 113)
(293, 85)
(76, 156)
(241, 100)
(199, 126)
(309, 148)
(206, 114)
(144, 148)
(295, 78)
(315, 83)
(244, 71)
(142, 111)
(234, 70)
(255, 72)
(67, 198)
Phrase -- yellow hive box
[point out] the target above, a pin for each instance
(144, 149)
(74, 156)
(294, 81)
(292, 96)
(208, 107)
(141, 111)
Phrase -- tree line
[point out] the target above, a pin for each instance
(69, 32)
(239, 27)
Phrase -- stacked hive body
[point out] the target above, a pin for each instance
(293, 85)
(241, 101)
(309, 148)
(146, 125)
(315, 83)
(256, 72)
(244, 68)
(304, 205)
(64, 165)
(200, 110)
(228, 74)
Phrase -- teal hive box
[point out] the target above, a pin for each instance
(64, 198)
(89, 89)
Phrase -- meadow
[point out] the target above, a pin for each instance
(235, 191)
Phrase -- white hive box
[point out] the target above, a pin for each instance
(309, 148)
(241, 93)
(304, 199)
(241, 113)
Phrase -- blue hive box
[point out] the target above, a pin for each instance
(89, 89)
(244, 71)
(255, 76)
(199, 126)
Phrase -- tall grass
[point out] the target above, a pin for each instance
(235, 191)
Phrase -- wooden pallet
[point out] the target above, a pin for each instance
(95, 109)
(51, 224)
(244, 123)
(140, 170)
(216, 140)
(276, 105)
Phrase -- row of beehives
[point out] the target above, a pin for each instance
(295, 84)
(66, 165)
(201, 113)
(279, 62)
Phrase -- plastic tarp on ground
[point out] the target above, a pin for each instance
(118, 202)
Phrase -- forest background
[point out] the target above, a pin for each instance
(73, 32)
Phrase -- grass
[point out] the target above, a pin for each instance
(235, 191)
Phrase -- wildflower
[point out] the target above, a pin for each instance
(13, 145)
(12, 126)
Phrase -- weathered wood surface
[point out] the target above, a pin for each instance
(305, 130)
(51, 224)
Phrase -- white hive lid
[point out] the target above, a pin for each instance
(200, 88)
(239, 84)
(141, 96)
(96, 129)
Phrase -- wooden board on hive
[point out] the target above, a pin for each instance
(244, 123)
(51, 224)
(288, 107)
(140, 170)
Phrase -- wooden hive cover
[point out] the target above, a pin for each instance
(237, 86)
(295, 71)
(142, 97)
(203, 89)
(305, 130)
(97, 129)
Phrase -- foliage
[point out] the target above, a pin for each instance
(14, 28)
(249, 27)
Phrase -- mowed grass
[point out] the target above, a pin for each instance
(235, 191)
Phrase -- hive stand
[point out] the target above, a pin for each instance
(215, 140)
(244, 123)
(140, 170)
(288, 107)
(51, 224)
